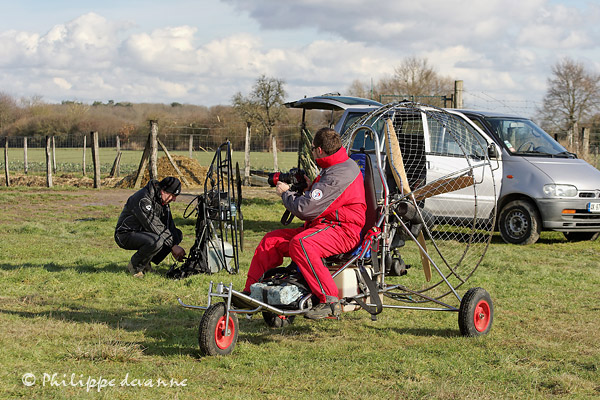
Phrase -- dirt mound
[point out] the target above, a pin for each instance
(191, 169)
(40, 181)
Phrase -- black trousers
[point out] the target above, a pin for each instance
(149, 246)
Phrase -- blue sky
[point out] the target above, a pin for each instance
(203, 52)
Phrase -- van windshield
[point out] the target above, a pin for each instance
(523, 137)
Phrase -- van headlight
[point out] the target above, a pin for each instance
(554, 190)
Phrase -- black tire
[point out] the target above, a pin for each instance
(476, 313)
(581, 236)
(211, 337)
(519, 223)
(277, 321)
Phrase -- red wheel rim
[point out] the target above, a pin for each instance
(482, 316)
(221, 340)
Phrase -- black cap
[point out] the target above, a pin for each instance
(170, 185)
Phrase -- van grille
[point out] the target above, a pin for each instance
(589, 195)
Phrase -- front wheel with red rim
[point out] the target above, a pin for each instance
(476, 313)
(212, 337)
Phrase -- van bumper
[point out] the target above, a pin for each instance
(579, 220)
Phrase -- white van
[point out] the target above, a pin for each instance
(539, 184)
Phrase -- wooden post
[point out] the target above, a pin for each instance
(25, 163)
(96, 159)
(458, 94)
(53, 155)
(84, 150)
(173, 163)
(153, 150)
(117, 172)
(48, 162)
(585, 148)
(143, 165)
(247, 155)
(275, 163)
(191, 145)
(114, 171)
(6, 174)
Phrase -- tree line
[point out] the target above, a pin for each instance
(571, 102)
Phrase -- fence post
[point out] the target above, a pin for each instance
(48, 162)
(96, 159)
(275, 163)
(585, 148)
(153, 149)
(458, 94)
(191, 145)
(25, 164)
(118, 168)
(84, 149)
(53, 155)
(247, 155)
(6, 161)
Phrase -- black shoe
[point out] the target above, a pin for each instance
(324, 310)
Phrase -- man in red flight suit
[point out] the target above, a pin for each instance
(333, 209)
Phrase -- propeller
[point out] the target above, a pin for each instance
(394, 155)
(444, 185)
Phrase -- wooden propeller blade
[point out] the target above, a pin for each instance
(394, 155)
(443, 186)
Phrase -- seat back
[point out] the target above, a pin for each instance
(364, 162)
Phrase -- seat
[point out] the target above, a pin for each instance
(364, 162)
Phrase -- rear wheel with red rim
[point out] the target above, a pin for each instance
(476, 313)
(212, 336)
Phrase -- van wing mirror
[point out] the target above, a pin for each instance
(492, 151)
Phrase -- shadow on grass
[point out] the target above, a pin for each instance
(54, 267)
(170, 332)
(425, 332)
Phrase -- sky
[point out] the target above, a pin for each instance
(203, 52)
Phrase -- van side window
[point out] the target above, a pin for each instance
(455, 140)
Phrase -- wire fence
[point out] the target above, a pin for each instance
(28, 154)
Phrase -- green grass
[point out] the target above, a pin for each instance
(70, 160)
(67, 307)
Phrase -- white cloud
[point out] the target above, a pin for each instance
(505, 46)
(62, 83)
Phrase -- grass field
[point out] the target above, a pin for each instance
(70, 314)
(70, 160)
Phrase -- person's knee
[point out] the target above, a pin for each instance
(296, 248)
(155, 245)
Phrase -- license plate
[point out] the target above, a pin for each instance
(594, 207)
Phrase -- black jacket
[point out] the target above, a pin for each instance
(144, 212)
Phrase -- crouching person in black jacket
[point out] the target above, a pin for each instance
(146, 225)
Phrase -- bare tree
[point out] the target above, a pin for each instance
(414, 77)
(359, 89)
(572, 96)
(8, 111)
(264, 104)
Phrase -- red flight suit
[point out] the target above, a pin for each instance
(334, 209)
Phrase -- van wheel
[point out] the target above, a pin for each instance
(519, 223)
(581, 236)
